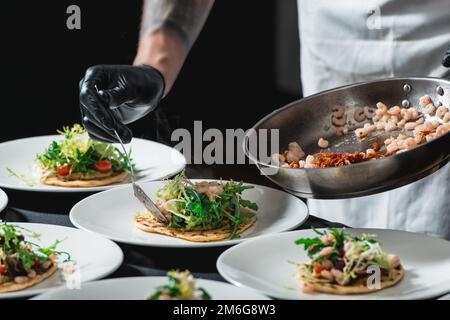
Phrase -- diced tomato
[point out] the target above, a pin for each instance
(64, 170)
(103, 166)
(2, 268)
(317, 268)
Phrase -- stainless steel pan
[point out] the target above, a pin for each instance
(308, 119)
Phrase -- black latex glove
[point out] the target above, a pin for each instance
(112, 96)
(446, 60)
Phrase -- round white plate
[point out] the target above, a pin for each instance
(111, 214)
(139, 288)
(264, 265)
(95, 256)
(156, 161)
(3, 200)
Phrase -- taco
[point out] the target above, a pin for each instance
(201, 212)
(78, 161)
(180, 286)
(344, 264)
(22, 263)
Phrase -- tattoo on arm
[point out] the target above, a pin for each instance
(185, 17)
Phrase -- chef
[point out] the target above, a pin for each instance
(342, 42)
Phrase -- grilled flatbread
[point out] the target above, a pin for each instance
(83, 182)
(359, 286)
(13, 286)
(148, 224)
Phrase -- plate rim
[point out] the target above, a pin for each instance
(188, 244)
(4, 198)
(51, 189)
(413, 296)
(28, 292)
(124, 279)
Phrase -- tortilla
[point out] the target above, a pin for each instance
(115, 177)
(148, 224)
(359, 286)
(13, 286)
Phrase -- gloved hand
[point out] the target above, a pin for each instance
(446, 60)
(112, 96)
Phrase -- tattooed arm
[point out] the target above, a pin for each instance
(168, 30)
(112, 96)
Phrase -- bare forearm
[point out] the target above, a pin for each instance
(168, 30)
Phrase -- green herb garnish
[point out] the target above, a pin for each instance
(26, 254)
(349, 256)
(195, 209)
(80, 152)
(181, 286)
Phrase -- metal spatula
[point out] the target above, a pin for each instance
(138, 192)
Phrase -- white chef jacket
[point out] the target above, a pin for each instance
(348, 41)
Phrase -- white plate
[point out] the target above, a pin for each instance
(139, 288)
(3, 200)
(156, 161)
(96, 257)
(263, 264)
(111, 214)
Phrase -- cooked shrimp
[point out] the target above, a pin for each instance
(361, 132)
(441, 111)
(381, 106)
(410, 126)
(295, 152)
(430, 109)
(370, 127)
(446, 117)
(425, 100)
(209, 188)
(441, 130)
(391, 126)
(394, 111)
(322, 143)
(359, 115)
(338, 111)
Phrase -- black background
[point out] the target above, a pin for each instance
(228, 80)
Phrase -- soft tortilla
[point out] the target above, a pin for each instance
(359, 287)
(148, 224)
(13, 286)
(57, 181)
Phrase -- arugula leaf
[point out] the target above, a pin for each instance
(248, 204)
(26, 258)
(156, 295)
(204, 295)
(311, 245)
(51, 249)
(339, 235)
